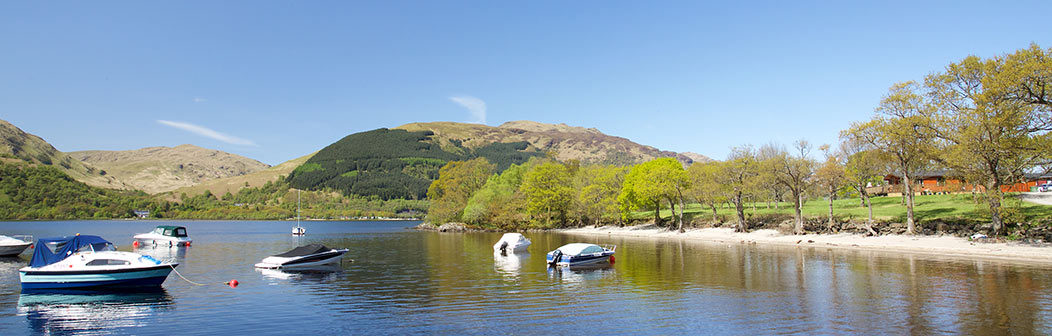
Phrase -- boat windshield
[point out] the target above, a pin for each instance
(159, 230)
(97, 247)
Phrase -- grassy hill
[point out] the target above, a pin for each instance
(232, 184)
(15, 143)
(159, 169)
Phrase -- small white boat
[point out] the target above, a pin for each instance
(165, 235)
(512, 242)
(14, 245)
(576, 254)
(85, 261)
(303, 257)
(298, 230)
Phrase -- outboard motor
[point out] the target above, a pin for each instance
(557, 256)
(504, 248)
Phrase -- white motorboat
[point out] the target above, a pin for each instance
(512, 242)
(303, 257)
(576, 254)
(14, 245)
(164, 235)
(85, 261)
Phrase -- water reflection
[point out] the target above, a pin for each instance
(320, 273)
(509, 264)
(581, 274)
(91, 312)
(163, 252)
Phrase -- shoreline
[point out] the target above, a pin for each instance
(930, 245)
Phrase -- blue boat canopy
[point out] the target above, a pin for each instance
(42, 255)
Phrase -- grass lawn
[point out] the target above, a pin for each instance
(927, 208)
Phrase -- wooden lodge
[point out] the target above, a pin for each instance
(932, 183)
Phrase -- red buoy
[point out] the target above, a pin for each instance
(611, 259)
(233, 283)
(135, 243)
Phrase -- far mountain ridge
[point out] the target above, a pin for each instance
(567, 142)
(160, 169)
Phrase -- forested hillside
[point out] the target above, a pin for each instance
(44, 192)
(394, 163)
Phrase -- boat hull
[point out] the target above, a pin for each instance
(302, 263)
(13, 250)
(159, 240)
(581, 260)
(152, 276)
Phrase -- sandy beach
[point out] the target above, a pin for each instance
(935, 245)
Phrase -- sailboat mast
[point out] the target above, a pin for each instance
(297, 207)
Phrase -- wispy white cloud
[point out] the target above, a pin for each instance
(476, 106)
(199, 100)
(208, 133)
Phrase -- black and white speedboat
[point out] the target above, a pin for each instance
(577, 254)
(303, 257)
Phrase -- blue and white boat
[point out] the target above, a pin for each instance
(576, 254)
(85, 261)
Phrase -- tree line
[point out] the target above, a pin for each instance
(984, 121)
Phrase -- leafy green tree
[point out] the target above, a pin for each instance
(705, 187)
(862, 169)
(498, 204)
(457, 181)
(548, 191)
(649, 183)
(829, 177)
(993, 117)
(597, 189)
(739, 176)
(897, 133)
(794, 172)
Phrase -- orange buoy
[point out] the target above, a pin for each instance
(232, 283)
(611, 259)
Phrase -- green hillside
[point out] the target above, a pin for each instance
(394, 163)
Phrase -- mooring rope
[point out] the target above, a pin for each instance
(184, 278)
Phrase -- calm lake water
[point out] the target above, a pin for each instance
(400, 281)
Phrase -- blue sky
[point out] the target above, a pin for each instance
(277, 80)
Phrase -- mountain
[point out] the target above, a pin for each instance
(160, 169)
(395, 163)
(588, 145)
(232, 184)
(401, 162)
(15, 143)
(697, 157)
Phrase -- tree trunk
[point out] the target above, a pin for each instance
(831, 223)
(657, 213)
(741, 213)
(911, 226)
(798, 217)
(681, 208)
(672, 205)
(994, 196)
(869, 222)
(715, 217)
